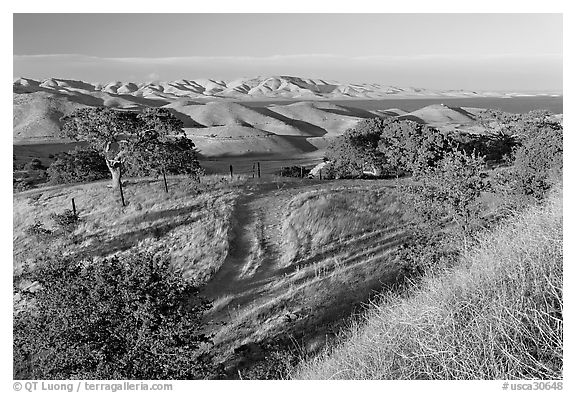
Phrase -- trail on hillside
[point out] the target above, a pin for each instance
(259, 298)
(253, 260)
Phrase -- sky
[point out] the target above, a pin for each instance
(521, 52)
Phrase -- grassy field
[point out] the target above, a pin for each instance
(496, 315)
(190, 223)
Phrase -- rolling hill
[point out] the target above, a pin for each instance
(214, 115)
(270, 87)
(439, 114)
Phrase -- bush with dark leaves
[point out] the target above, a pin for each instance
(124, 317)
(79, 165)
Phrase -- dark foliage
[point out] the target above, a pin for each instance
(276, 365)
(293, 171)
(79, 165)
(448, 193)
(495, 146)
(38, 231)
(538, 161)
(129, 317)
(66, 222)
(16, 165)
(410, 147)
(356, 149)
(537, 154)
(451, 189)
(21, 184)
(386, 147)
(426, 251)
(176, 156)
(34, 164)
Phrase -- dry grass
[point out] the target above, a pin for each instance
(317, 219)
(497, 315)
(190, 223)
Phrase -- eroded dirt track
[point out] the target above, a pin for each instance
(253, 260)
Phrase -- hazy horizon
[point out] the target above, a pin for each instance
(497, 52)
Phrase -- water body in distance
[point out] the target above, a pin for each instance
(512, 104)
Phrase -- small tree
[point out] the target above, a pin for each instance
(129, 317)
(538, 161)
(537, 154)
(448, 192)
(357, 149)
(122, 136)
(411, 147)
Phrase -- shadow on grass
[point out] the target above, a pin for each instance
(127, 240)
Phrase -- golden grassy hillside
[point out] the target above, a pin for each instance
(299, 265)
(496, 315)
(190, 223)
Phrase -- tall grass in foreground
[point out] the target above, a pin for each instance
(497, 315)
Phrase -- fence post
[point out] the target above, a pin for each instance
(74, 208)
(253, 170)
(320, 174)
(231, 172)
(165, 182)
(122, 193)
(258, 169)
(301, 172)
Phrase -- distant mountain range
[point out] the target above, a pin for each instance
(215, 118)
(259, 88)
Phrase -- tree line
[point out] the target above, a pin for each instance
(449, 173)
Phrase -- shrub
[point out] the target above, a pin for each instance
(493, 146)
(128, 317)
(66, 221)
(447, 193)
(22, 184)
(276, 365)
(451, 190)
(356, 149)
(38, 231)
(293, 171)
(387, 147)
(34, 164)
(79, 165)
(538, 161)
(411, 147)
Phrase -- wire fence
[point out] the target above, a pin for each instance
(260, 168)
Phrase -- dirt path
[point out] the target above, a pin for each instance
(258, 298)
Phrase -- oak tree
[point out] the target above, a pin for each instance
(122, 137)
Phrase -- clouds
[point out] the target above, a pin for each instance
(479, 72)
